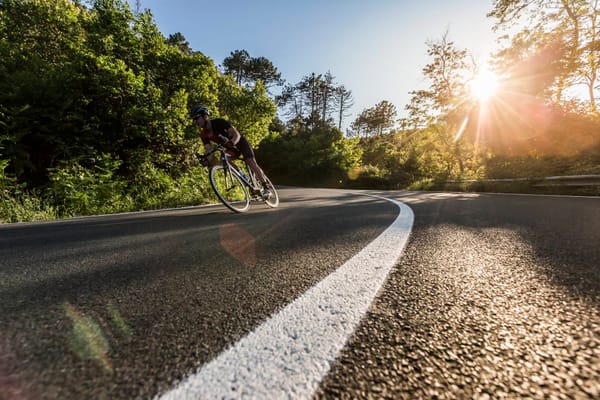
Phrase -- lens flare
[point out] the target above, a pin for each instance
(239, 243)
(87, 338)
(462, 128)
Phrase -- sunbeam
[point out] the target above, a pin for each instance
(485, 85)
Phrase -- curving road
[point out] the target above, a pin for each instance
(494, 296)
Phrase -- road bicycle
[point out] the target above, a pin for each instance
(236, 185)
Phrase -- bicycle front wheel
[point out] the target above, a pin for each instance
(229, 189)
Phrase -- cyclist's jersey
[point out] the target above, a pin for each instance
(219, 127)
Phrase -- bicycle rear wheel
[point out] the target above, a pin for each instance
(229, 189)
(273, 199)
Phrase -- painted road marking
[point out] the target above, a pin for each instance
(289, 354)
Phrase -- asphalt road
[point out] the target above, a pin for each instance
(494, 296)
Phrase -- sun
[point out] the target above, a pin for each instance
(485, 85)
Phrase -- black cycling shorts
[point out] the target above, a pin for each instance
(244, 147)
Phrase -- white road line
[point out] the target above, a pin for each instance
(289, 354)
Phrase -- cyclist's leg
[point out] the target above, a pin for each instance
(258, 172)
(269, 193)
(250, 160)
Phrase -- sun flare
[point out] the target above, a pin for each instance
(485, 85)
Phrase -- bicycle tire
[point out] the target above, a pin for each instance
(273, 200)
(230, 189)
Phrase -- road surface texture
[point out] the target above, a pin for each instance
(495, 296)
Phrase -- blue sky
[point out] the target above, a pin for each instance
(374, 48)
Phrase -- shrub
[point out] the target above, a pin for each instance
(80, 190)
(17, 204)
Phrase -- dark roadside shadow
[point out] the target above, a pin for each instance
(180, 295)
(22, 236)
(85, 258)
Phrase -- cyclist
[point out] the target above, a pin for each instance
(221, 131)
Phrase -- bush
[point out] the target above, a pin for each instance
(18, 205)
(77, 190)
(80, 190)
(153, 188)
(368, 177)
(24, 207)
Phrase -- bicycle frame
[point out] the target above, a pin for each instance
(233, 187)
(249, 180)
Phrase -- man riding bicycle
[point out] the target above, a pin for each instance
(221, 131)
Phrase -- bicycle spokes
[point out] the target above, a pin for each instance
(229, 188)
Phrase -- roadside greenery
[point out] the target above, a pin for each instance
(94, 107)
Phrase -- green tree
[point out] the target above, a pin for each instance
(260, 69)
(447, 75)
(94, 100)
(376, 120)
(249, 70)
(435, 114)
(312, 100)
(237, 64)
(344, 102)
(249, 109)
(320, 155)
(39, 83)
(567, 30)
(178, 40)
(388, 161)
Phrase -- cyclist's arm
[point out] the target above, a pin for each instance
(208, 146)
(234, 135)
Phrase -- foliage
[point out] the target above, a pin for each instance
(93, 96)
(376, 120)
(445, 99)
(251, 70)
(153, 188)
(425, 147)
(250, 110)
(385, 163)
(302, 155)
(553, 45)
(18, 205)
(315, 99)
(80, 190)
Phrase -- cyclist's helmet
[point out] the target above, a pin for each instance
(198, 111)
